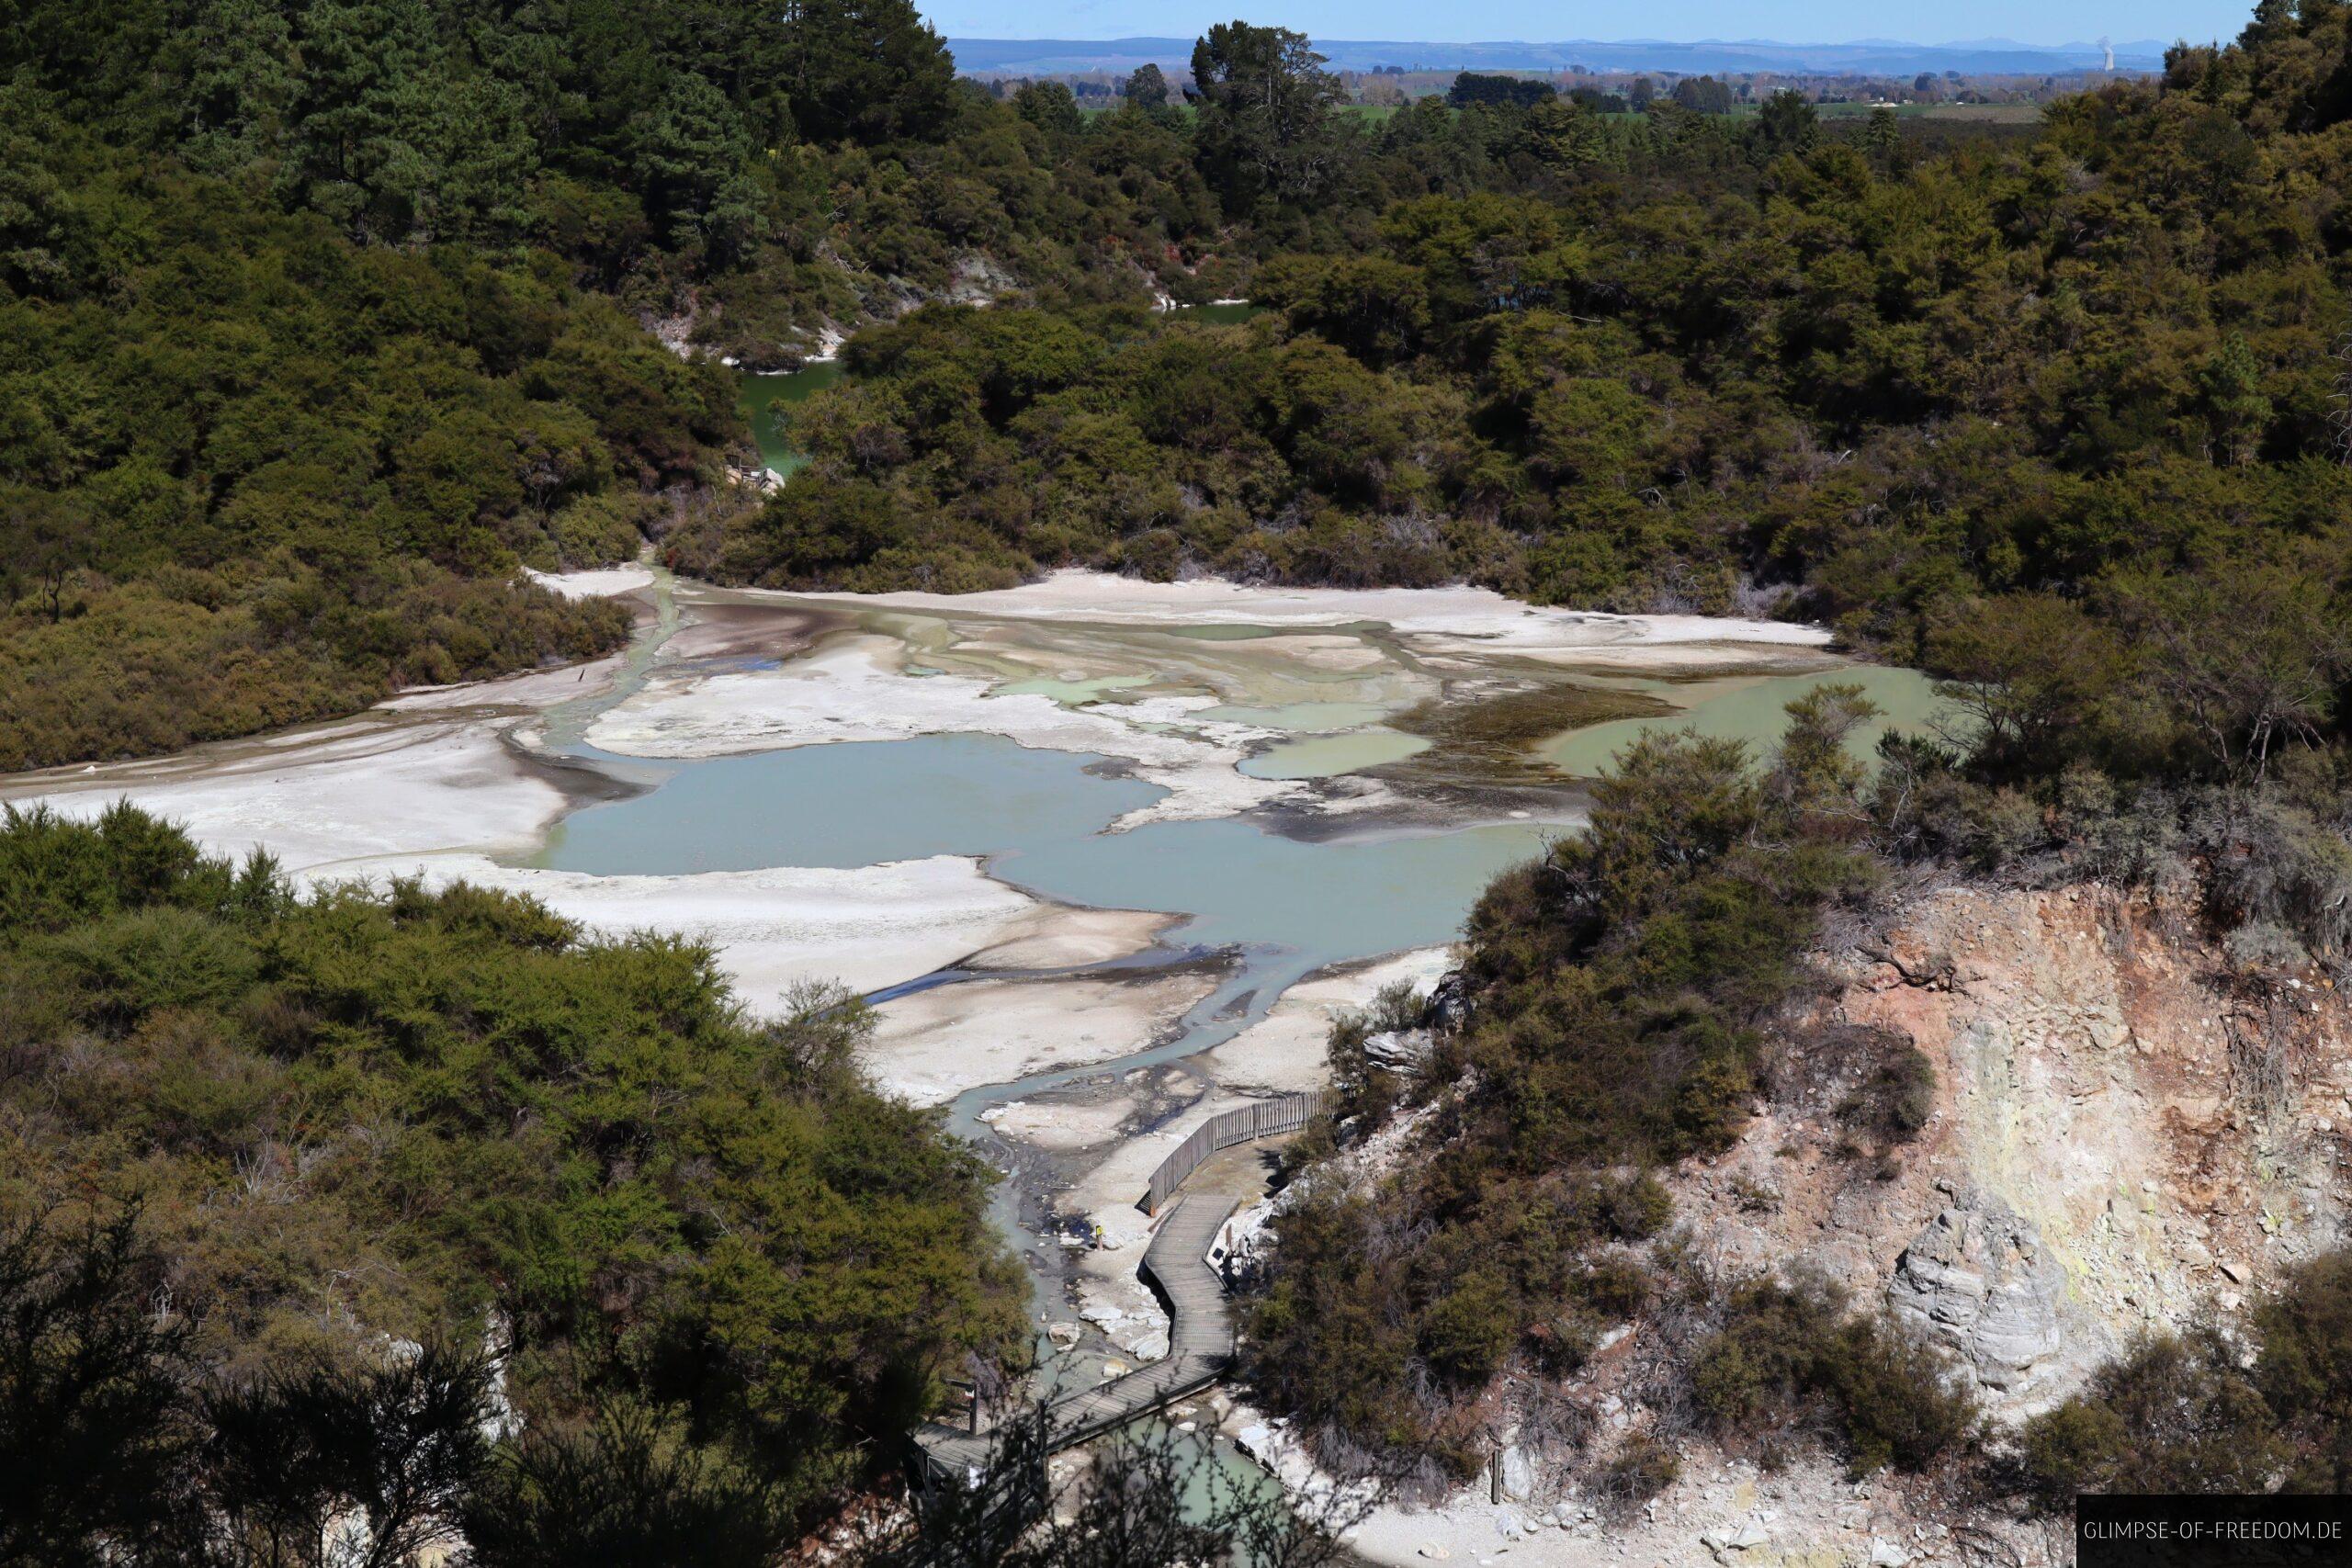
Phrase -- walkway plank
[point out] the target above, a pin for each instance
(1200, 1348)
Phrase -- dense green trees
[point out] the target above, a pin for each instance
(443, 1116)
(1266, 130)
(254, 473)
(1907, 388)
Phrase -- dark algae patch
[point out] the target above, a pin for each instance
(1491, 742)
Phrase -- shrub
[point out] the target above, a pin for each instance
(2174, 1414)
(2305, 1370)
(429, 1104)
(1896, 1091)
(1896, 1396)
(626, 1490)
(1789, 1359)
(1617, 989)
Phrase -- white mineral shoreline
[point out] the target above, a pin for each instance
(433, 784)
(850, 690)
(929, 1046)
(867, 685)
(1459, 612)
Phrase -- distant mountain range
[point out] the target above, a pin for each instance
(1869, 57)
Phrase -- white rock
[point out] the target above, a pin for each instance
(1398, 1050)
(1979, 1279)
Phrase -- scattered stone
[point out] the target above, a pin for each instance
(1450, 1002)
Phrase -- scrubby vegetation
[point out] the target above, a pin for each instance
(446, 1117)
(1618, 987)
(320, 320)
(2039, 412)
(2250, 1407)
(254, 473)
(1958, 401)
(1791, 1361)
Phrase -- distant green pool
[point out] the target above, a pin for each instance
(768, 401)
(1326, 756)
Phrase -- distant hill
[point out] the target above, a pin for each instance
(1873, 57)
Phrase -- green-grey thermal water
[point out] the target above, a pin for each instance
(1328, 756)
(1753, 709)
(1038, 818)
(1287, 908)
(1228, 314)
(1303, 718)
(1070, 693)
(768, 404)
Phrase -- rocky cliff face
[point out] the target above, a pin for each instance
(2123, 1132)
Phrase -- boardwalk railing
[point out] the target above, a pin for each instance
(1200, 1345)
(1258, 1119)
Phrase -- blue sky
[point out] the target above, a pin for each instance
(1794, 21)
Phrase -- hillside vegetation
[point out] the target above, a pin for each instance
(321, 319)
(2054, 421)
(246, 1135)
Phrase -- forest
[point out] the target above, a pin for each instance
(566, 1175)
(321, 320)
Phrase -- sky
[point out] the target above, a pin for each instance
(1789, 22)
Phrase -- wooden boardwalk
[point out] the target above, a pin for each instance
(1200, 1346)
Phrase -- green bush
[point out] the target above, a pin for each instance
(1897, 1090)
(2193, 1412)
(408, 1112)
(2175, 1414)
(2305, 1370)
(1617, 989)
(1791, 1360)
